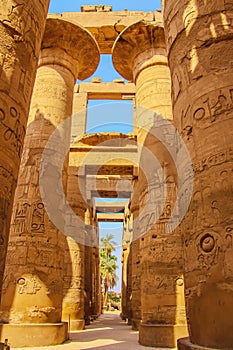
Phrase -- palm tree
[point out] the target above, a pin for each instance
(108, 265)
(107, 244)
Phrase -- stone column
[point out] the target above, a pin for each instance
(136, 273)
(33, 281)
(96, 309)
(199, 36)
(73, 302)
(73, 290)
(126, 268)
(21, 31)
(124, 311)
(94, 284)
(139, 54)
(88, 285)
(89, 266)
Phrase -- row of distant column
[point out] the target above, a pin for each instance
(153, 259)
(40, 258)
(199, 49)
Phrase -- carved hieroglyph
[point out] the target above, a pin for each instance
(199, 37)
(140, 54)
(36, 245)
(136, 267)
(21, 30)
(73, 289)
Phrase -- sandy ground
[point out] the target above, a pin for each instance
(108, 332)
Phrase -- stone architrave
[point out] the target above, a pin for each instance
(139, 54)
(21, 31)
(33, 282)
(200, 49)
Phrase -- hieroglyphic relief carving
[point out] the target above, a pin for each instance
(19, 51)
(38, 213)
(158, 190)
(11, 129)
(28, 285)
(200, 33)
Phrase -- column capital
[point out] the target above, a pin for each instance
(69, 45)
(138, 46)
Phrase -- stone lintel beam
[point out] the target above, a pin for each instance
(106, 26)
(69, 45)
(106, 207)
(110, 217)
(139, 46)
(108, 91)
(116, 139)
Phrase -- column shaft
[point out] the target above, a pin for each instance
(73, 301)
(21, 31)
(33, 292)
(199, 37)
(136, 272)
(160, 252)
(126, 295)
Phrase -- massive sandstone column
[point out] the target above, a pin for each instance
(73, 289)
(21, 30)
(33, 280)
(91, 270)
(73, 302)
(139, 54)
(136, 272)
(76, 184)
(126, 288)
(96, 308)
(199, 36)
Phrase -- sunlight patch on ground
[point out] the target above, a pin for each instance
(92, 330)
(100, 342)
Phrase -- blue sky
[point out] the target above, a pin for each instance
(57, 6)
(107, 72)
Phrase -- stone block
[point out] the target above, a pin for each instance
(163, 335)
(185, 344)
(29, 335)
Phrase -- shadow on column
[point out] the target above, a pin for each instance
(200, 45)
(31, 305)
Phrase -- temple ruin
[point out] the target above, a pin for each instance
(174, 171)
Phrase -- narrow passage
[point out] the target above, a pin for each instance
(108, 332)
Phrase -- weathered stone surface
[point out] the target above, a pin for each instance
(199, 38)
(106, 26)
(112, 91)
(126, 289)
(21, 30)
(23, 335)
(50, 277)
(139, 53)
(96, 8)
(73, 288)
(33, 292)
